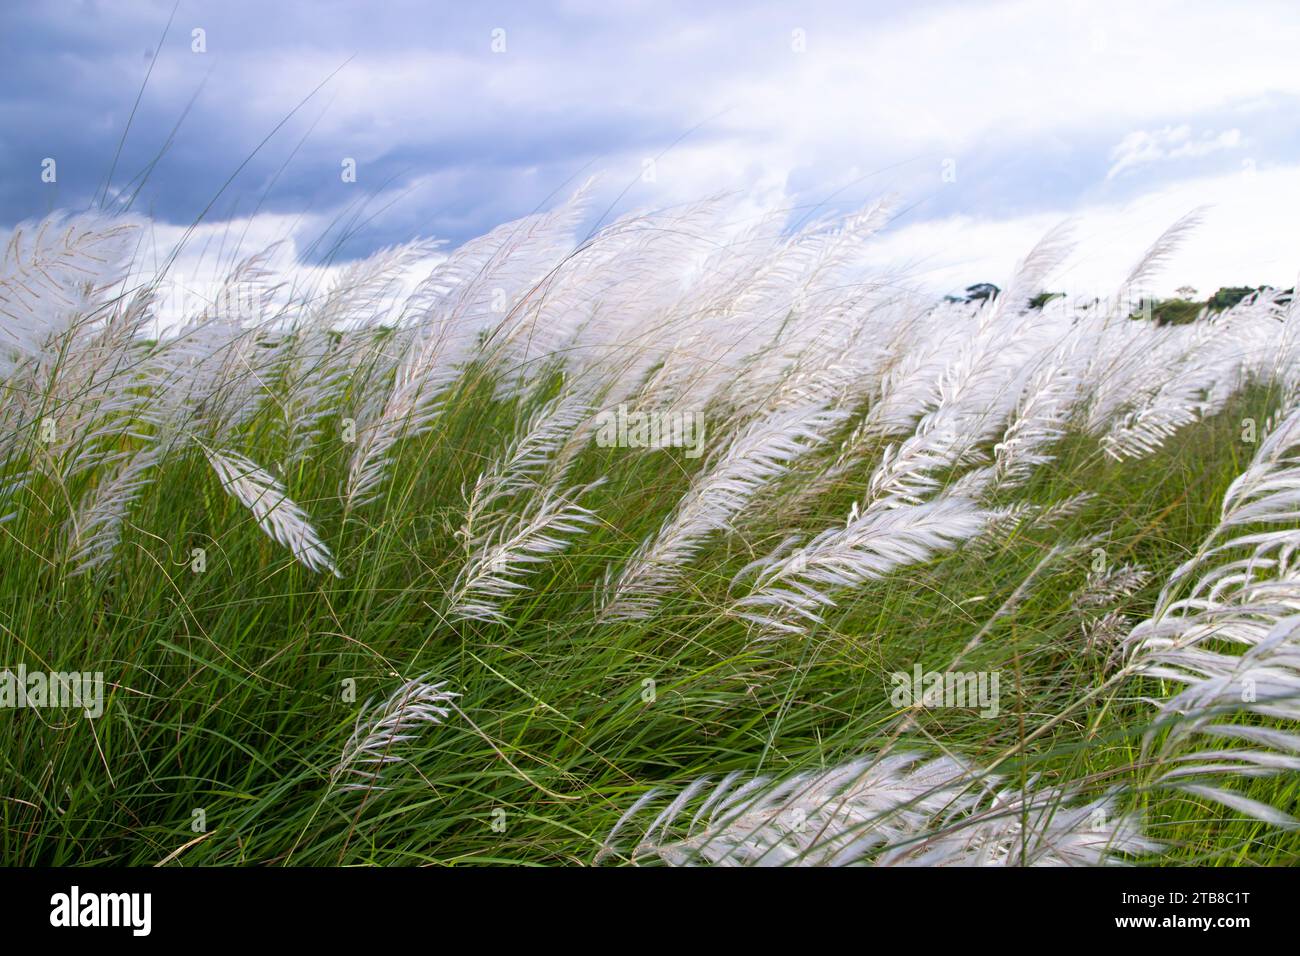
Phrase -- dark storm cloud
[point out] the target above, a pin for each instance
(450, 138)
(459, 135)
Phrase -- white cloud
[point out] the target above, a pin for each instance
(1246, 238)
(1026, 97)
(874, 86)
(196, 275)
(1143, 147)
(968, 77)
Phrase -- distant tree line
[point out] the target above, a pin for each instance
(1180, 309)
(1184, 307)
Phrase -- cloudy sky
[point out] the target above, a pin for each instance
(989, 122)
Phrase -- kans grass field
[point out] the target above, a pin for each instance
(382, 571)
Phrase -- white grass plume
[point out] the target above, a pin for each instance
(1005, 521)
(759, 454)
(1040, 419)
(409, 409)
(1106, 588)
(529, 457)
(1160, 251)
(53, 271)
(890, 809)
(506, 550)
(384, 727)
(440, 327)
(1233, 641)
(276, 513)
(95, 529)
(793, 590)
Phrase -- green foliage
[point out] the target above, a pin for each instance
(1040, 300)
(227, 687)
(1174, 311)
(1228, 296)
(238, 667)
(1180, 311)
